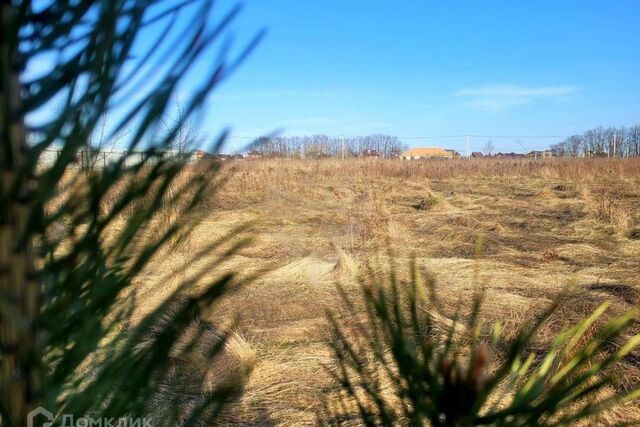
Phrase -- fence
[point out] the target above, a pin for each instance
(86, 159)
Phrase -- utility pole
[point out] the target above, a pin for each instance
(468, 153)
(342, 146)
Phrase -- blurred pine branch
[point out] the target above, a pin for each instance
(399, 360)
(72, 244)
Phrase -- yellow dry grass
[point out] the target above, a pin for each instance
(525, 230)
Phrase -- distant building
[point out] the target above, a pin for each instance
(198, 155)
(369, 152)
(454, 153)
(222, 157)
(254, 154)
(509, 155)
(540, 154)
(477, 155)
(592, 153)
(426, 153)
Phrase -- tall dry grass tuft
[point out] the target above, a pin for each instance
(607, 205)
(205, 359)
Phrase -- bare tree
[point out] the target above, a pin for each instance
(560, 149)
(600, 141)
(488, 148)
(633, 140)
(385, 145)
(185, 137)
(575, 144)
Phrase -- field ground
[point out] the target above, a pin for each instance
(525, 230)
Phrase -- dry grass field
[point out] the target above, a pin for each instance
(525, 230)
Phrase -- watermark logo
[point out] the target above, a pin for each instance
(31, 417)
(40, 417)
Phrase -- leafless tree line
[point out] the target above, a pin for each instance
(602, 142)
(326, 146)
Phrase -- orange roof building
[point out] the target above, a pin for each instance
(426, 153)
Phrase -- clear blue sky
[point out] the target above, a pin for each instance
(414, 68)
(426, 68)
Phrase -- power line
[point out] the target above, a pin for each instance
(487, 136)
(428, 136)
